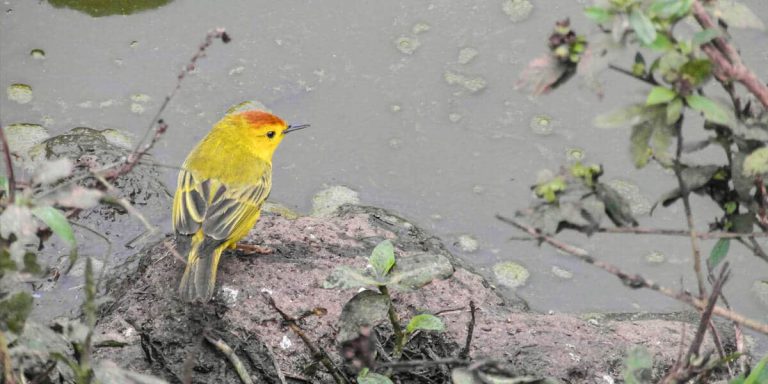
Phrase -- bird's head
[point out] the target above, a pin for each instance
(263, 130)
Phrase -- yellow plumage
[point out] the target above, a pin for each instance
(221, 188)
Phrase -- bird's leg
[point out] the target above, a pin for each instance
(253, 249)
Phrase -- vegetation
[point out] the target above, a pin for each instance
(686, 71)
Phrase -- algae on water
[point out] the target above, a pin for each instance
(511, 274)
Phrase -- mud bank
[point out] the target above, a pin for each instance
(147, 329)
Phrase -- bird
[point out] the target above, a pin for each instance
(221, 187)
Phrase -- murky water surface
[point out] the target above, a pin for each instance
(411, 104)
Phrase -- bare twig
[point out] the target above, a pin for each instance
(227, 351)
(683, 369)
(464, 353)
(707, 314)
(727, 59)
(409, 364)
(681, 232)
(318, 353)
(8, 165)
(157, 124)
(685, 196)
(629, 73)
(637, 281)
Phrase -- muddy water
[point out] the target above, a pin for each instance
(401, 113)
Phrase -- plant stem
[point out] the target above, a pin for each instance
(681, 232)
(727, 59)
(629, 73)
(685, 194)
(396, 327)
(8, 165)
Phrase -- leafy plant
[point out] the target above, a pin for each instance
(682, 70)
(371, 307)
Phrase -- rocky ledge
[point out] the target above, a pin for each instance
(149, 330)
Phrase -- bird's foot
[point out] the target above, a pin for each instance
(253, 249)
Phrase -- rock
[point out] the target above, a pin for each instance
(141, 187)
(325, 202)
(21, 137)
(306, 250)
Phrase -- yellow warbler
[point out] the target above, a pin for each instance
(221, 187)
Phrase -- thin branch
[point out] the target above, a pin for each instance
(727, 59)
(409, 364)
(227, 351)
(157, 124)
(681, 232)
(464, 353)
(8, 165)
(685, 195)
(629, 73)
(318, 353)
(637, 281)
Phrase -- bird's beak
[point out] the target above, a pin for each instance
(292, 128)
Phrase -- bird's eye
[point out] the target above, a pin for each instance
(271, 134)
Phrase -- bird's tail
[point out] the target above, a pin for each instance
(199, 279)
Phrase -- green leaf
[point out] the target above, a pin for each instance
(759, 374)
(756, 163)
(630, 115)
(416, 271)
(670, 8)
(697, 71)
(643, 26)
(661, 141)
(383, 258)
(738, 15)
(425, 322)
(641, 151)
(638, 366)
(367, 308)
(660, 95)
(718, 253)
(661, 44)
(598, 14)
(347, 277)
(373, 378)
(58, 223)
(14, 311)
(705, 36)
(674, 111)
(712, 110)
(548, 190)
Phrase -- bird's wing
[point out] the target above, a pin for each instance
(219, 210)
